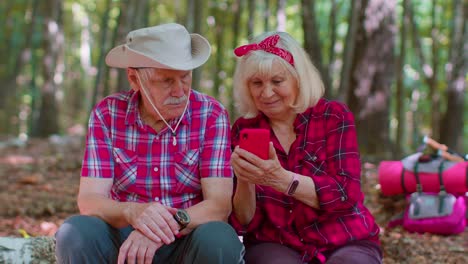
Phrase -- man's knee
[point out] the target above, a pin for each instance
(71, 234)
(215, 238)
(215, 233)
(79, 233)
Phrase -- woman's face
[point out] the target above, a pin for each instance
(274, 93)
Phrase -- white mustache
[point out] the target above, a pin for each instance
(175, 100)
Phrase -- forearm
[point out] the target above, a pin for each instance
(209, 210)
(112, 212)
(244, 202)
(305, 191)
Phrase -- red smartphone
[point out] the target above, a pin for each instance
(255, 140)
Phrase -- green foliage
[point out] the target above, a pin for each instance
(82, 30)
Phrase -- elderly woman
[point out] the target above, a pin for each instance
(303, 204)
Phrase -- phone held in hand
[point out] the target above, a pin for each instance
(256, 141)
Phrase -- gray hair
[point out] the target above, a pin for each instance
(311, 87)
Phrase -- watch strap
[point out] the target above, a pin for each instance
(293, 184)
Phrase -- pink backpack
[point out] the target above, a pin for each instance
(437, 213)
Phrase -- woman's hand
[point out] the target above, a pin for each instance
(154, 220)
(138, 249)
(250, 168)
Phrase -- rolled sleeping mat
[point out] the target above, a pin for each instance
(393, 181)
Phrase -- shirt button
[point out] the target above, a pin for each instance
(155, 169)
(156, 199)
(290, 211)
(343, 198)
(314, 158)
(157, 137)
(117, 160)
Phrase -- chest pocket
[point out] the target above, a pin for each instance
(187, 171)
(126, 167)
(314, 159)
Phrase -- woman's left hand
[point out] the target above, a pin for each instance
(251, 168)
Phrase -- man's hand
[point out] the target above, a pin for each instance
(154, 220)
(138, 249)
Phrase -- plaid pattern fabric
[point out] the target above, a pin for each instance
(145, 165)
(326, 150)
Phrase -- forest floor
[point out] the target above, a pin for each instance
(39, 183)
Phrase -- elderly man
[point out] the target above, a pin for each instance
(156, 182)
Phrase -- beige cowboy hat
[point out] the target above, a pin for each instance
(166, 46)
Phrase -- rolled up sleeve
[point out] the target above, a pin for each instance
(339, 187)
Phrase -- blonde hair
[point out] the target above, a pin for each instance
(310, 85)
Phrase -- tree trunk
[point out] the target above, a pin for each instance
(52, 66)
(312, 41)
(281, 15)
(427, 71)
(452, 123)
(433, 91)
(197, 28)
(266, 16)
(19, 55)
(372, 73)
(330, 91)
(103, 47)
(218, 75)
(251, 18)
(125, 27)
(349, 51)
(237, 8)
(400, 89)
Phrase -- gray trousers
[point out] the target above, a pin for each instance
(356, 252)
(87, 239)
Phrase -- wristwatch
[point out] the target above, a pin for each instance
(182, 218)
(292, 185)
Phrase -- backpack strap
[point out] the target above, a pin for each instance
(442, 191)
(402, 179)
(416, 176)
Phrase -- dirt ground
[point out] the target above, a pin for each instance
(39, 182)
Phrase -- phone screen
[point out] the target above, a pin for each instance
(256, 141)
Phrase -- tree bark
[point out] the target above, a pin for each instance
(251, 18)
(52, 68)
(373, 69)
(330, 92)
(237, 8)
(103, 47)
(312, 41)
(433, 91)
(266, 16)
(427, 71)
(218, 12)
(197, 28)
(400, 94)
(452, 123)
(349, 51)
(19, 55)
(281, 15)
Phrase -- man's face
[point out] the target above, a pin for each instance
(168, 90)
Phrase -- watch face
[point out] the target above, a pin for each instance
(183, 217)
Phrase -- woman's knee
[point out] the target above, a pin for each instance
(357, 252)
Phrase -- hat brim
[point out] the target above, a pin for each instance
(124, 57)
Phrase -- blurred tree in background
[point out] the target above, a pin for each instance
(400, 65)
